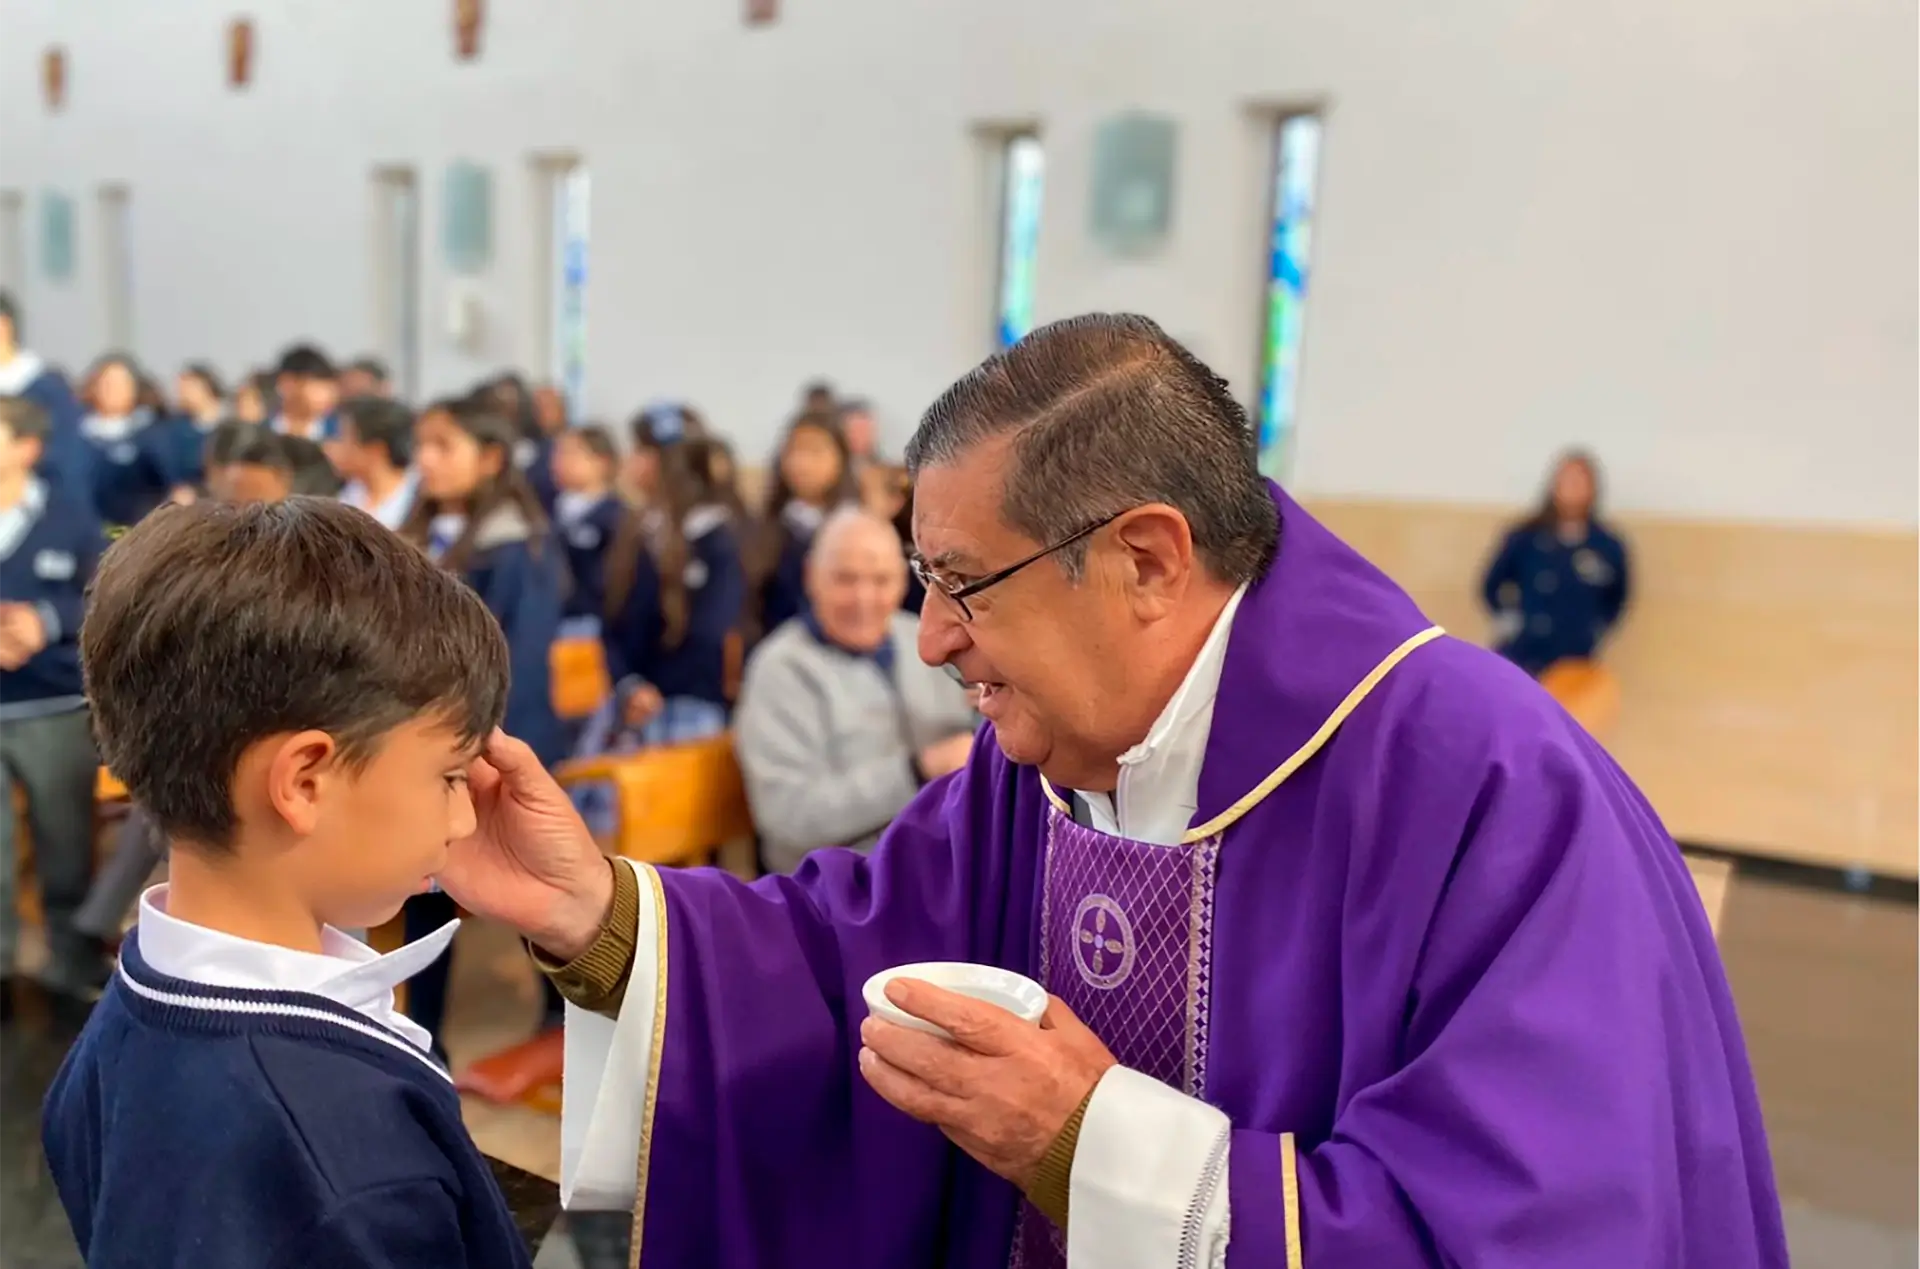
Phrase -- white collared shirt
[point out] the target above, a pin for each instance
(1159, 786)
(347, 972)
(1143, 1146)
(17, 376)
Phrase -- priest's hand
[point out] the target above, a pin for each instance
(531, 861)
(1001, 1089)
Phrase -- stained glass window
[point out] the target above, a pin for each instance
(570, 226)
(1023, 176)
(1296, 165)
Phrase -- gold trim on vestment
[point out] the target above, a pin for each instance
(1290, 1197)
(653, 1067)
(1221, 822)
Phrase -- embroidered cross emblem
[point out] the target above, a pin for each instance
(1103, 948)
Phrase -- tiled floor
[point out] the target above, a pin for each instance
(1827, 985)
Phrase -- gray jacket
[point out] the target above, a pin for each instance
(827, 739)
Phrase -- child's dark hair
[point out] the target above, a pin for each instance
(691, 475)
(479, 417)
(26, 418)
(378, 421)
(234, 443)
(304, 361)
(208, 376)
(212, 626)
(596, 440)
(308, 470)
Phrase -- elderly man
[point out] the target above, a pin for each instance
(839, 724)
(1361, 952)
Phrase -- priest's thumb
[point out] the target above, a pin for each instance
(512, 758)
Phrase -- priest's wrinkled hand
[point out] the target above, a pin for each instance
(530, 861)
(1001, 1089)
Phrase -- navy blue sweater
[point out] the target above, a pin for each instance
(586, 539)
(524, 585)
(1557, 599)
(716, 599)
(176, 447)
(783, 596)
(48, 566)
(195, 1127)
(128, 477)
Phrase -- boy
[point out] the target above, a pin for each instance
(49, 544)
(376, 445)
(294, 694)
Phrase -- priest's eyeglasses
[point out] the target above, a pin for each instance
(959, 591)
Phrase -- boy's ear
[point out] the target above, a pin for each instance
(300, 768)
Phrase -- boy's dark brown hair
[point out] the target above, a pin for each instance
(213, 626)
(25, 418)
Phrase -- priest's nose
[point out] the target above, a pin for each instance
(943, 636)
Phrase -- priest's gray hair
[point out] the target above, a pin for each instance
(1108, 413)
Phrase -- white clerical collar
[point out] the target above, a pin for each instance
(1159, 787)
(18, 375)
(347, 972)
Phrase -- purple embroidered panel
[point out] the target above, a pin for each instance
(1126, 943)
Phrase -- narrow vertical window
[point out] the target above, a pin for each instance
(1022, 181)
(396, 271)
(13, 241)
(1296, 166)
(568, 333)
(116, 265)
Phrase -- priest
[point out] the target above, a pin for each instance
(1360, 951)
(67, 458)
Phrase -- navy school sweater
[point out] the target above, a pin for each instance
(196, 1127)
(586, 533)
(128, 477)
(176, 446)
(783, 596)
(1555, 599)
(716, 583)
(523, 580)
(49, 545)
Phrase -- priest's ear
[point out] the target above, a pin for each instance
(1155, 546)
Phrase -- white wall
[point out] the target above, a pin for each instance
(1682, 232)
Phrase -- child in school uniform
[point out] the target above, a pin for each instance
(127, 479)
(374, 453)
(49, 544)
(676, 592)
(176, 445)
(813, 474)
(476, 517)
(296, 696)
(586, 515)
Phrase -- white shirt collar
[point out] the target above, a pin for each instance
(570, 507)
(18, 375)
(347, 972)
(1159, 786)
(703, 520)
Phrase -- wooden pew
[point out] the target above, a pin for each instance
(675, 806)
(1588, 691)
(579, 670)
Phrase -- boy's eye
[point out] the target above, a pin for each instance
(456, 779)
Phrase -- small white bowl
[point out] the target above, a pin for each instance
(1002, 988)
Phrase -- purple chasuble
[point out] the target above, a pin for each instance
(1457, 994)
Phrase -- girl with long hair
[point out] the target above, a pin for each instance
(586, 515)
(813, 474)
(1559, 582)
